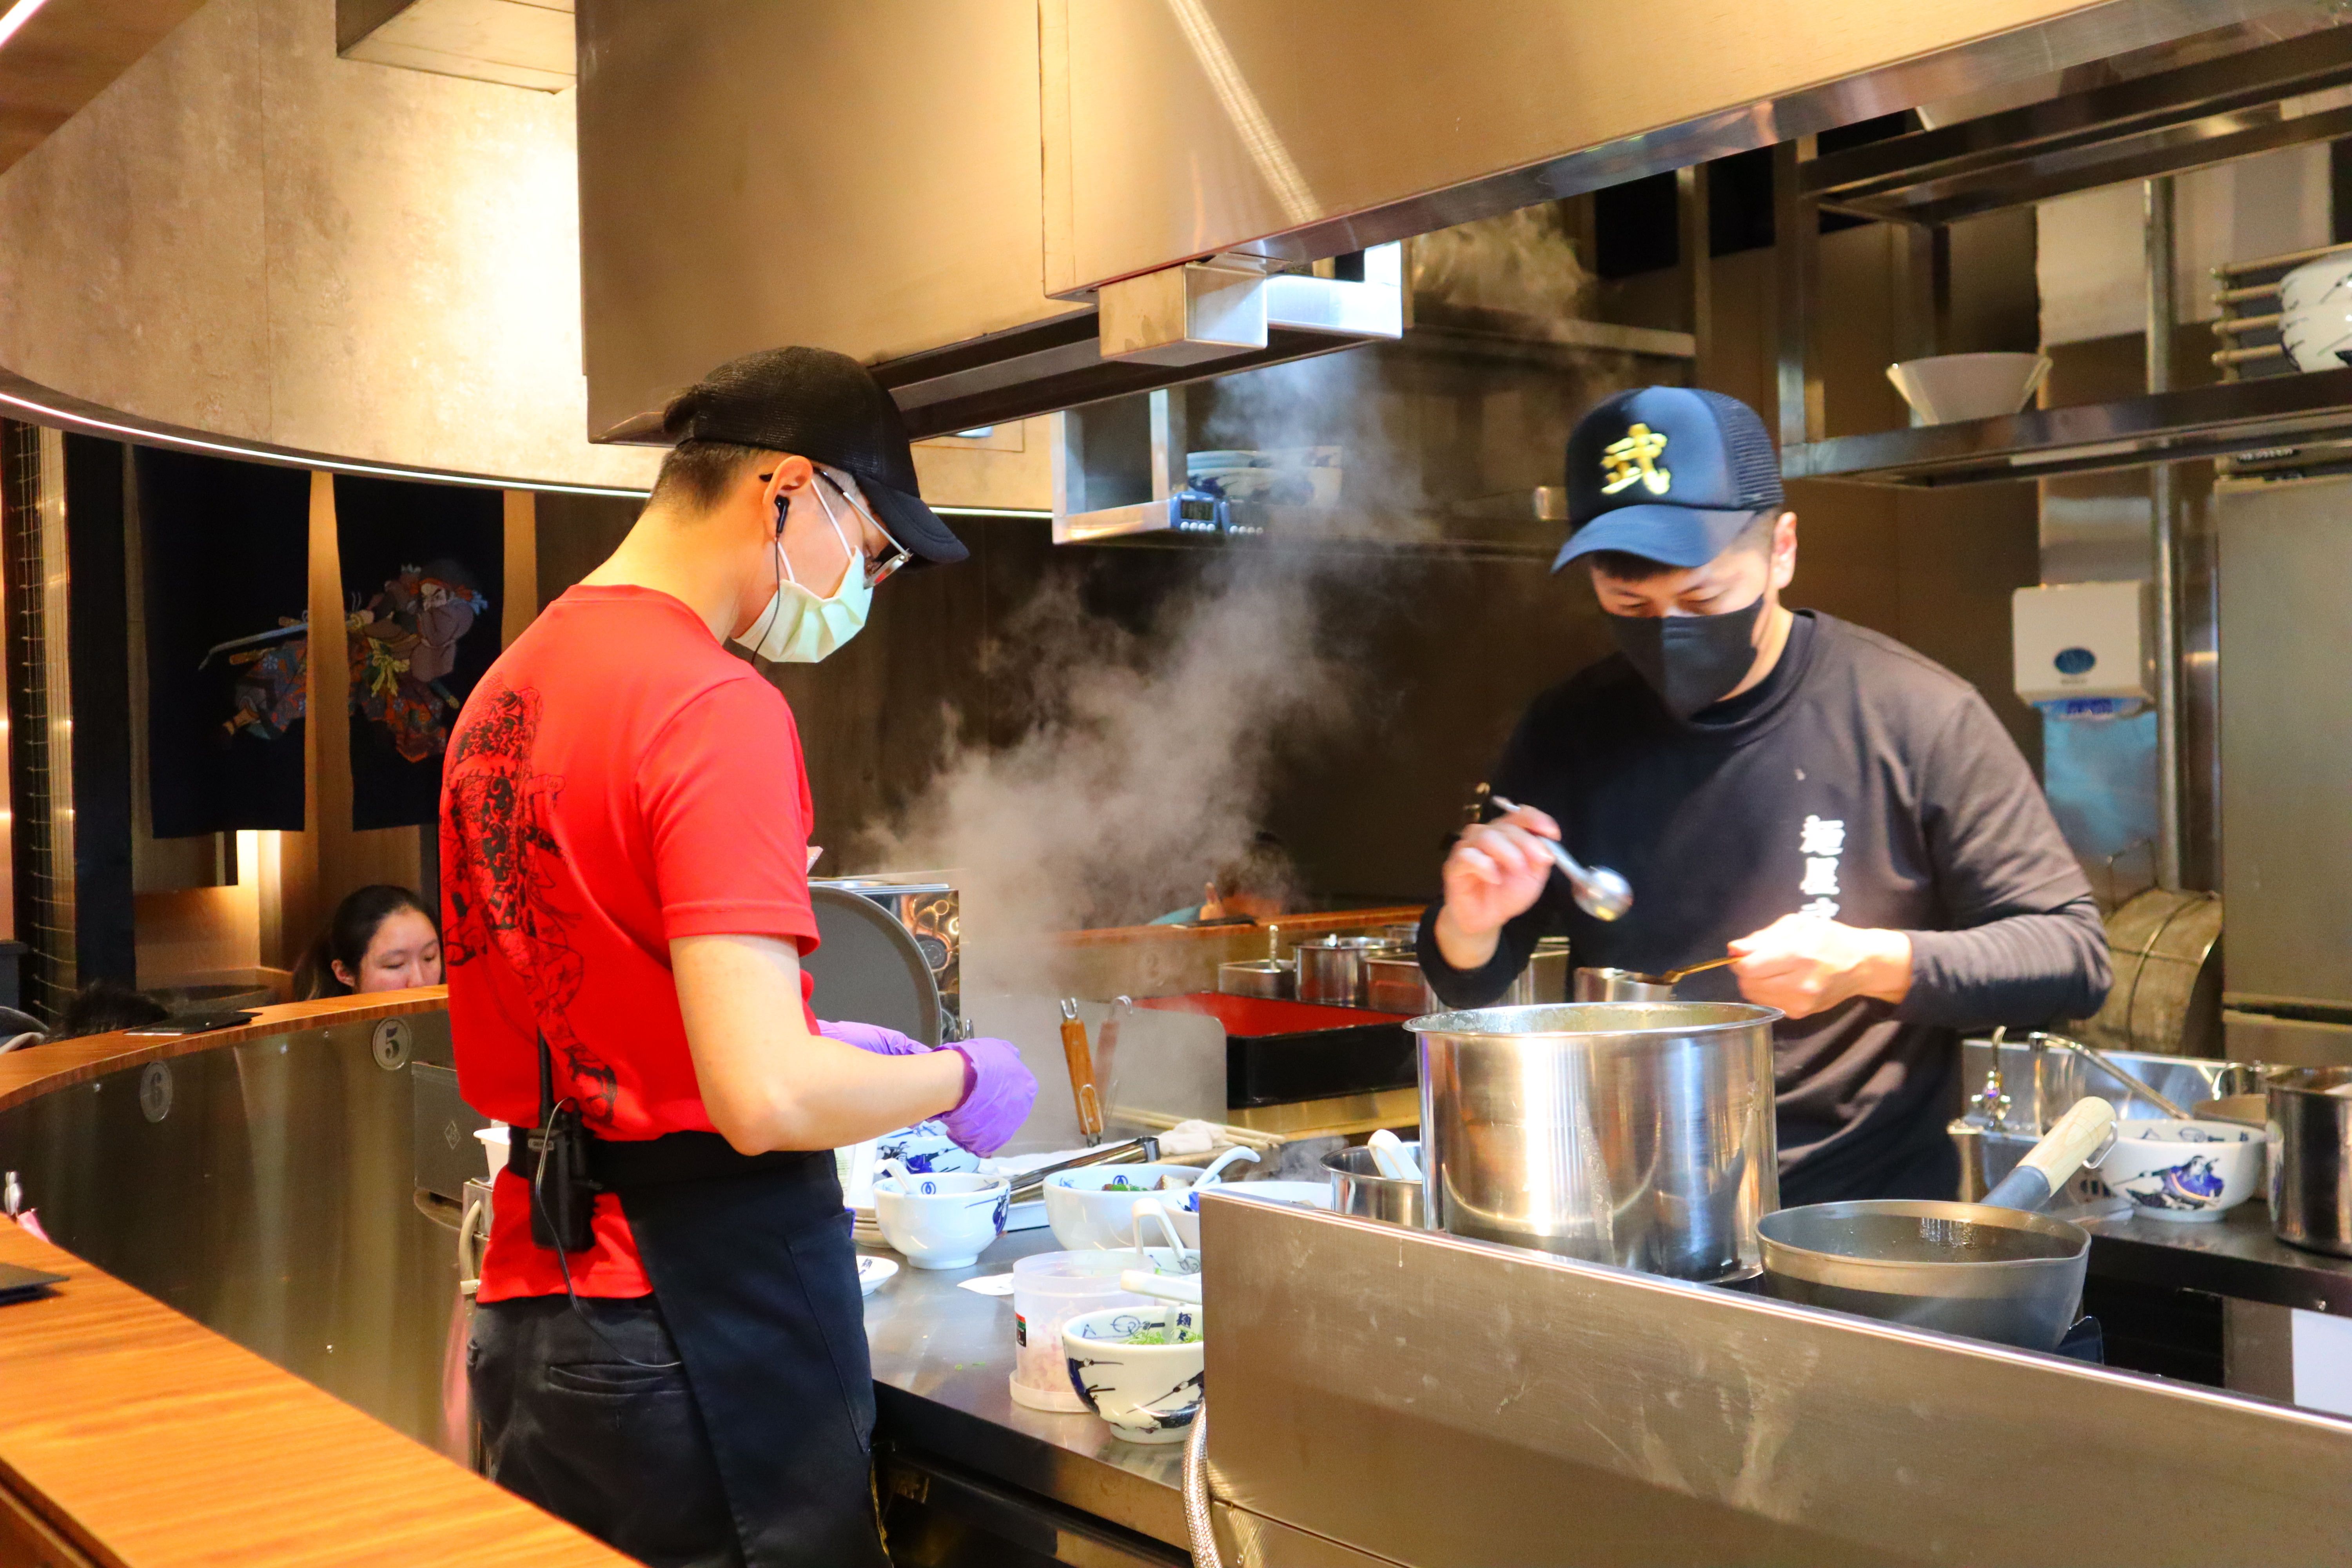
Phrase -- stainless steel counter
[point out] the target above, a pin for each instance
(942, 1370)
(2236, 1255)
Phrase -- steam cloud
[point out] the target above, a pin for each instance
(1141, 770)
(1144, 761)
(1523, 262)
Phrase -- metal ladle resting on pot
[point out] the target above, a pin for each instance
(1599, 893)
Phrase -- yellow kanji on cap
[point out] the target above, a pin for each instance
(1634, 458)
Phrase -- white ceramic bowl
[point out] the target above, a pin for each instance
(923, 1149)
(2185, 1170)
(2316, 312)
(1148, 1394)
(1967, 387)
(942, 1221)
(1087, 1214)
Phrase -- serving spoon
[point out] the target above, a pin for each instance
(1599, 893)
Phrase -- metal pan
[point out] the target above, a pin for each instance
(1983, 1271)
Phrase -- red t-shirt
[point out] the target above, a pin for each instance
(617, 779)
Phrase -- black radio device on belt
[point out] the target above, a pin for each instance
(562, 1194)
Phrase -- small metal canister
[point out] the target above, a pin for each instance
(1331, 968)
(1392, 983)
(2311, 1171)
(1273, 978)
(1358, 1188)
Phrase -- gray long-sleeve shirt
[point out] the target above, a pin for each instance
(1859, 781)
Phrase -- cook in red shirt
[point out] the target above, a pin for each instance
(624, 834)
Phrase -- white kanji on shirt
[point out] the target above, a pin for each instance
(1826, 909)
(1822, 836)
(1821, 875)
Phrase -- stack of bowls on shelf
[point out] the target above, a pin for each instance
(2316, 313)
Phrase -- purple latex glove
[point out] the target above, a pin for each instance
(872, 1037)
(998, 1091)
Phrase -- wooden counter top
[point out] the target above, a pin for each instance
(131, 1436)
(36, 1070)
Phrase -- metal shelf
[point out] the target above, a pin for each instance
(2190, 117)
(2272, 417)
(1516, 525)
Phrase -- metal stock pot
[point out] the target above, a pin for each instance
(1628, 1133)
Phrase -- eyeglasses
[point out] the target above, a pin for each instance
(877, 572)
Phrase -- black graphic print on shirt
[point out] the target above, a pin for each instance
(499, 859)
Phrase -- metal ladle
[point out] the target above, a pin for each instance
(1599, 893)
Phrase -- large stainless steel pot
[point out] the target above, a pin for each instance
(1633, 1133)
(2311, 1157)
(1358, 1188)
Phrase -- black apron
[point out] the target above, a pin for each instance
(751, 1263)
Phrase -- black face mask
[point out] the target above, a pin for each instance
(1690, 660)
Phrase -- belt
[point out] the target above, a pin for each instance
(619, 1164)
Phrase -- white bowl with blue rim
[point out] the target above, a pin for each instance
(941, 1221)
(2185, 1170)
(2316, 312)
(1147, 1393)
(1092, 1209)
(924, 1149)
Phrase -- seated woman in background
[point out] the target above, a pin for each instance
(1253, 886)
(382, 938)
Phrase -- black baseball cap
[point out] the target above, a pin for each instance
(1669, 473)
(826, 407)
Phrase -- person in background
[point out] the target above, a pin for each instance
(1846, 821)
(1251, 887)
(671, 1354)
(382, 938)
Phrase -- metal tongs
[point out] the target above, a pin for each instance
(1599, 893)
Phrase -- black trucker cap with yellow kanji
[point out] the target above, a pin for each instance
(828, 408)
(1669, 473)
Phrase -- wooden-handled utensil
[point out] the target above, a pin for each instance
(2050, 1163)
(1080, 1057)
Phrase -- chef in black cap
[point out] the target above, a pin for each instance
(1847, 819)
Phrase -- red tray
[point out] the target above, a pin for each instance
(1252, 1016)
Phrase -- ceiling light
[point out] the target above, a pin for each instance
(17, 17)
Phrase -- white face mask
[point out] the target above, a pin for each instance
(798, 627)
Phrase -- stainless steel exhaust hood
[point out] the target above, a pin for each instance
(991, 201)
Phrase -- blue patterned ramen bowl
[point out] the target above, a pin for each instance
(1147, 1393)
(2185, 1170)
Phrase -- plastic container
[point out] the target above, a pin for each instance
(494, 1147)
(1048, 1291)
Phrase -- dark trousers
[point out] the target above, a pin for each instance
(619, 1450)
